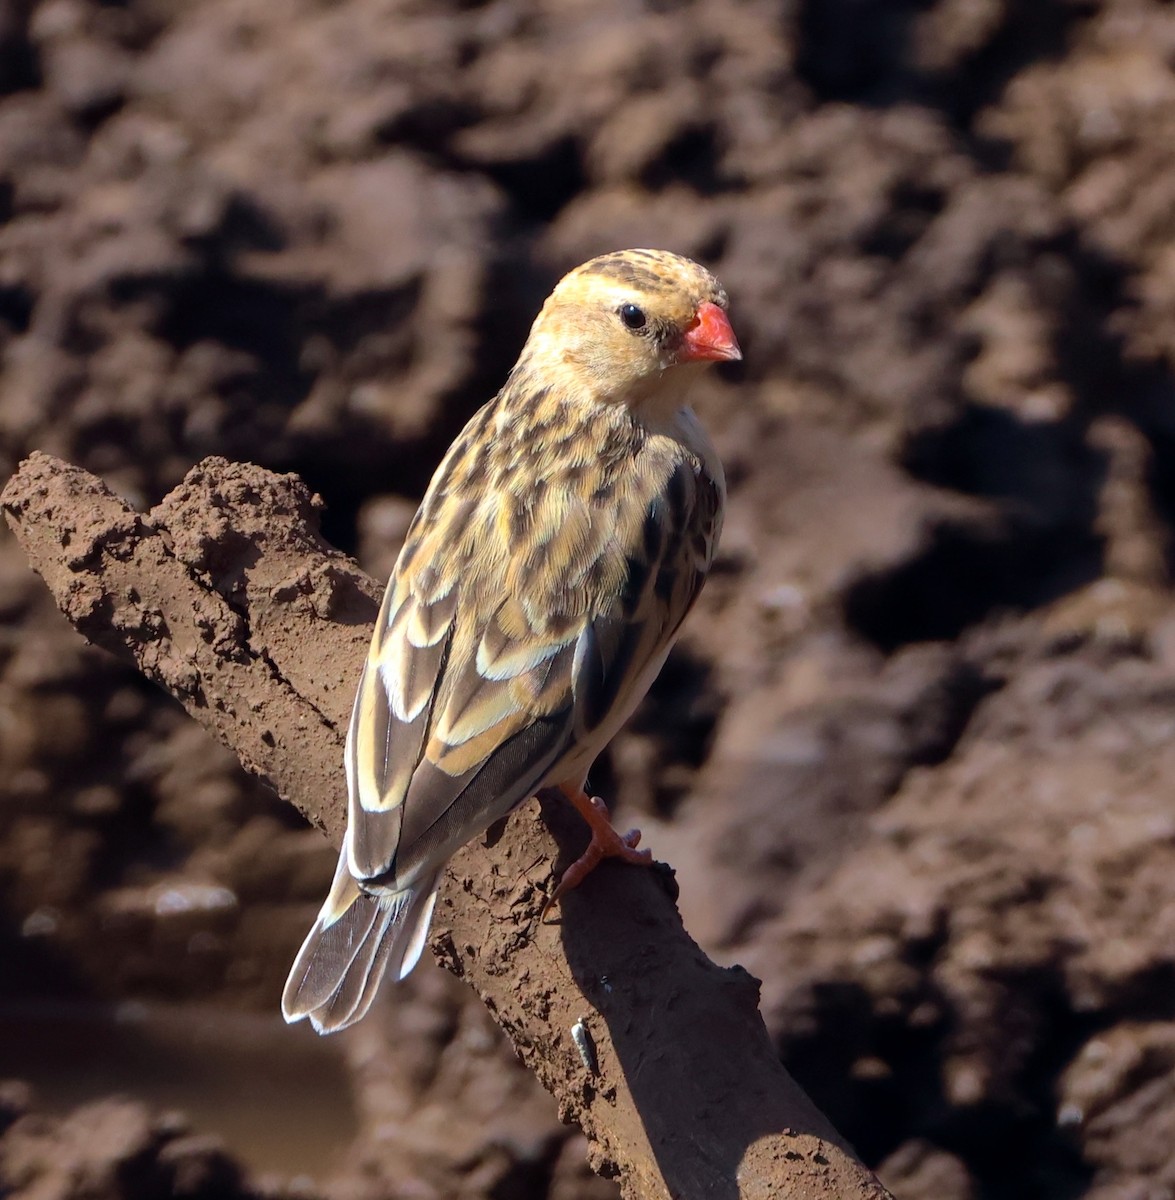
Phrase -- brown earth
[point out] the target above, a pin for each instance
(909, 762)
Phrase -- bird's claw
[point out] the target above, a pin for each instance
(605, 843)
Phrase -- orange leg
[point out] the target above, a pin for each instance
(605, 843)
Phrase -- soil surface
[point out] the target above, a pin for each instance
(913, 761)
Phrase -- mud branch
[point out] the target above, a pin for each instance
(226, 595)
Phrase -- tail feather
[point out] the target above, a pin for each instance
(358, 935)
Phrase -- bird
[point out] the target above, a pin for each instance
(543, 580)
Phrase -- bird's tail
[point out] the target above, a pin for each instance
(357, 937)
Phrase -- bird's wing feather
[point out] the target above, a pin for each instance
(480, 681)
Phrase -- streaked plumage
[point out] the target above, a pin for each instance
(562, 540)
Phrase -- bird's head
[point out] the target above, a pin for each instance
(626, 325)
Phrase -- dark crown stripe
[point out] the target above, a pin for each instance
(631, 274)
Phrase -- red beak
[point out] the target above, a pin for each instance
(710, 338)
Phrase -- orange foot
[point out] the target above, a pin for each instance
(605, 843)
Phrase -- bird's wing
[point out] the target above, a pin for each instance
(480, 679)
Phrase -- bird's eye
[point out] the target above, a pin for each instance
(634, 318)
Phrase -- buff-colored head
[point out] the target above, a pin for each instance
(625, 324)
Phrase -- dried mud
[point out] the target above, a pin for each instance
(910, 762)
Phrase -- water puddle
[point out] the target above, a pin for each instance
(278, 1097)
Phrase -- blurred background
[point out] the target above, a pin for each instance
(914, 758)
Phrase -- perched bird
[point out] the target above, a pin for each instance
(544, 579)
